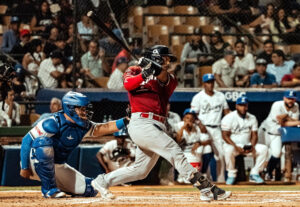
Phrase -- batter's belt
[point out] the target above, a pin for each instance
(156, 117)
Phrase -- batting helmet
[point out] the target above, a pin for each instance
(156, 53)
(70, 101)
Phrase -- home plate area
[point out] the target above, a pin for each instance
(168, 196)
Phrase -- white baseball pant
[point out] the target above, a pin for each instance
(152, 141)
(260, 159)
(217, 145)
(274, 143)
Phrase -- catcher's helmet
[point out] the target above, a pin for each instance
(156, 53)
(70, 101)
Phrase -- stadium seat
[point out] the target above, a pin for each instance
(137, 24)
(136, 11)
(207, 29)
(102, 81)
(149, 20)
(3, 9)
(177, 49)
(203, 70)
(163, 39)
(294, 49)
(184, 29)
(170, 21)
(157, 10)
(230, 39)
(197, 21)
(156, 30)
(33, 117)
(185, 10)
(176, 40)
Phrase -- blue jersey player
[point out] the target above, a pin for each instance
(46, 147)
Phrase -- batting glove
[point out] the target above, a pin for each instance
(149, 67)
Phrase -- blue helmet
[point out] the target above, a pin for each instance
(72, 100)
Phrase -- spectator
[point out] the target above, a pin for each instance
(293, 79)
(18, 85)
(55, 106)
(9, 109)
(51, 70)
(110, 46)
(86, 29)
(93, 61)
(236, 10)
(78, 77)
(280, 25)
(57, 43)
(33, 58)
(42, 19)
(262, 23)
(262, 79)
(117, 153)
(124, 53)
(244, 63)
(55, 22)
(217, 45)
(280, 66)
(10, 37)
(66, 12)
(268, 50)
(25, 10)
(210, 106)
(22, 47)
(195, 145)
(239, 130)
(224, 70)
(191, 55)
(116, 78)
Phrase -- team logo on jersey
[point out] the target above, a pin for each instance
(70, 137)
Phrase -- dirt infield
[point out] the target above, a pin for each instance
(153, 196)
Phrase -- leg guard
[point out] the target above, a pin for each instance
(43, 154)
(89, 190)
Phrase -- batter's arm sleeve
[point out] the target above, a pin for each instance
(101, 129)
(132, 78)
(25, 151)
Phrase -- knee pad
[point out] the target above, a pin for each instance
(44, 165)
(89, 190)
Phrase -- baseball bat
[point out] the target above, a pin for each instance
(100, 24)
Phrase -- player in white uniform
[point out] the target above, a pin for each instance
(239, 130)
(283, 113)
(194, 143)
(117, 153)
(210, 105)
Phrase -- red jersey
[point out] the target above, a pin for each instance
(289, 77)
(148, 96)
(122, 53)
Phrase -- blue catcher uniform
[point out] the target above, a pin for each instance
(46, 147)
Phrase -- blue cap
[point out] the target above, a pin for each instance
(122, 133)
(189, 111)
(242, 100)
(14, 19)
(117, 32)
(208, 77)
(290, 94)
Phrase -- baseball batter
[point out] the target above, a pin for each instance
(149, 89)
(117, 153)
(283, 113)
(210, 106)
(239, 130)
(194, 143)
(46, 147)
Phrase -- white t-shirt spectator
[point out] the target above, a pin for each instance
(44, 75)
(245, 64)
(227, 72)
(116, 80)
(4, 114)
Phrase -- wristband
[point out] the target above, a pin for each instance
(121, 123)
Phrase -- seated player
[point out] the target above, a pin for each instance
(239, 130)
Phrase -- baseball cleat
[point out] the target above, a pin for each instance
(214, 193)
(256, 179)
(230, 181)
(100, 186)
(54, 193)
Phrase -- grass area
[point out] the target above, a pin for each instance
(230, 188)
